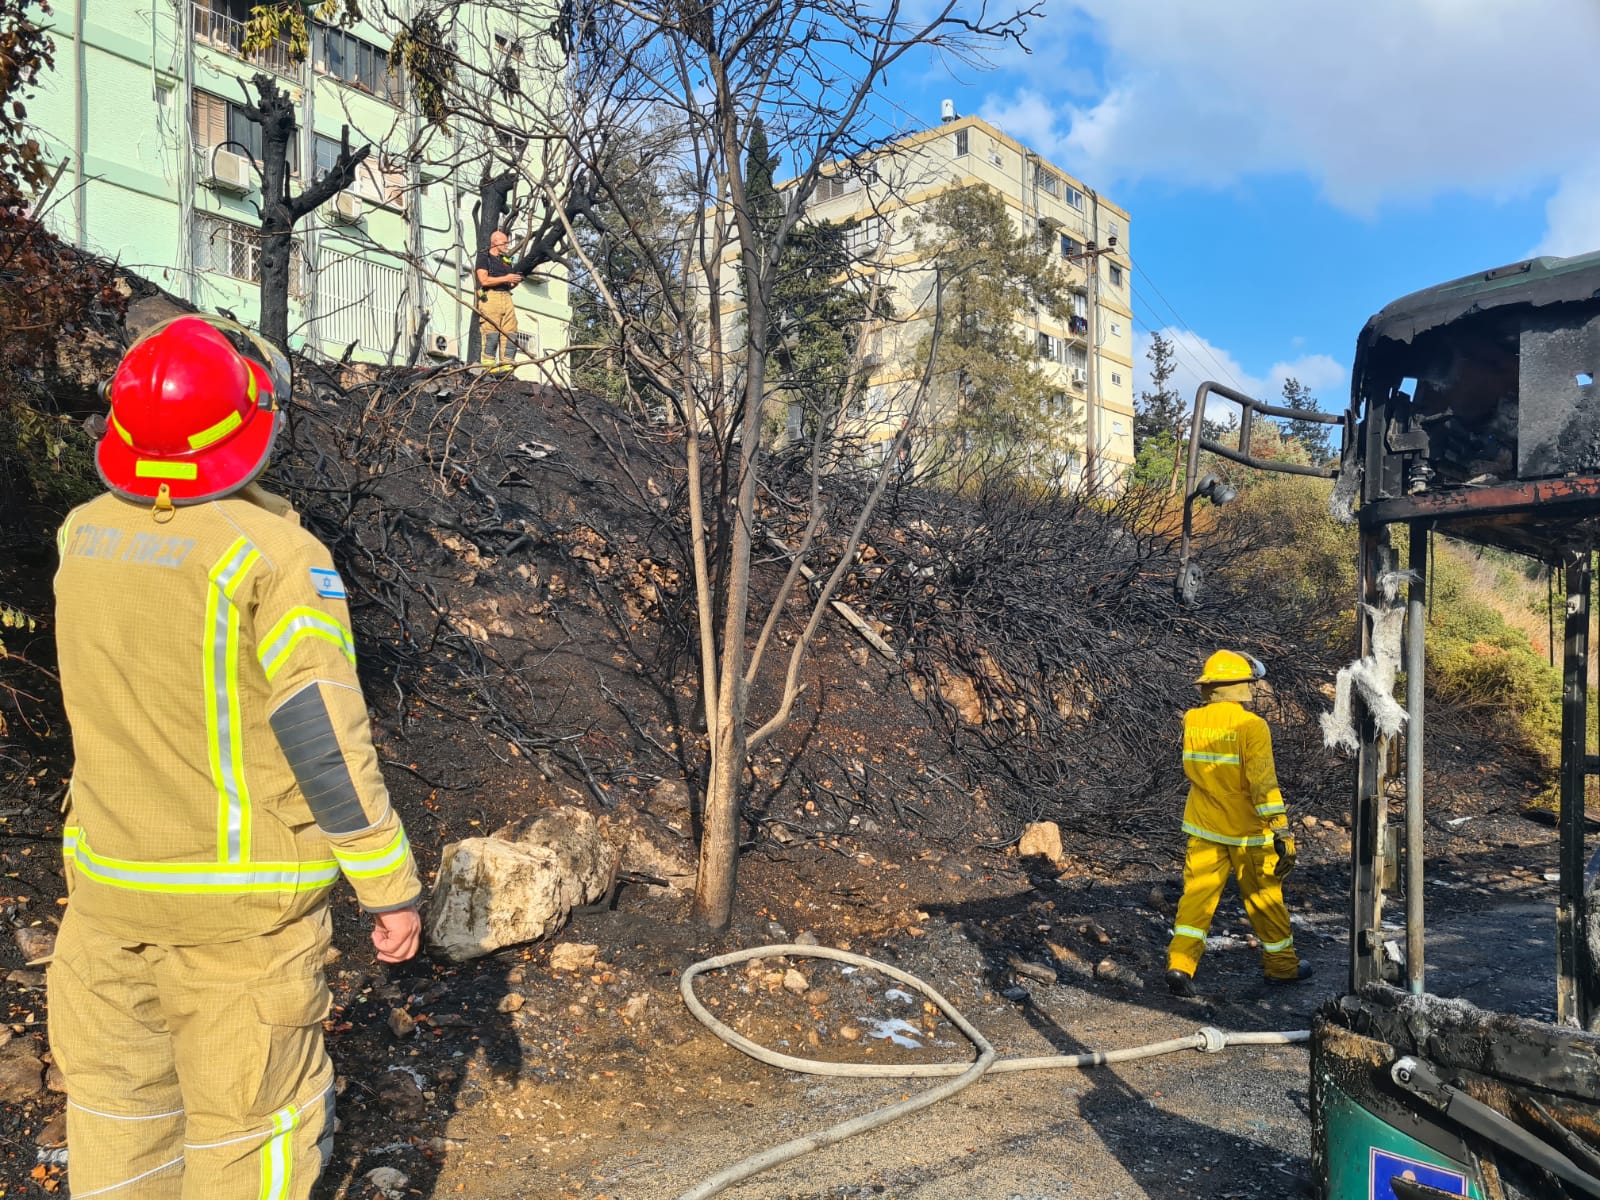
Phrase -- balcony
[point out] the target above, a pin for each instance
(221, 26)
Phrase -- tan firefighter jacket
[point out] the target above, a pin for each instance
(225, 774)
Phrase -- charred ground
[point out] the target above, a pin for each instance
(516, 563)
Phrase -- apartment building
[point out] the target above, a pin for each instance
(1088, 353)
(144, 109)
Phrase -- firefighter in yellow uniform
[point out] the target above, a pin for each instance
(1236, 822)
(224, 777)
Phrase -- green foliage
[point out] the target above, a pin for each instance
(820, 300)
(1153, 465)
(1313, 436)
(289, 21)
(1306, 561)
(421, 57)
(992, 397)
(1478, 662)
(1159, 411)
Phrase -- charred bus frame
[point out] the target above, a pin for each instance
(1474, 412)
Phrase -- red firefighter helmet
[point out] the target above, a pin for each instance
(194, 410)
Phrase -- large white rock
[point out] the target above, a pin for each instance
(517, 885)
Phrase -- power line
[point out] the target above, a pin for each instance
(1185, 326)
(1179, 352)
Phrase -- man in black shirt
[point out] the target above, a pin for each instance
(497, 314)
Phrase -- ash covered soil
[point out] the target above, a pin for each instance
(505, 1077)
(509, 593)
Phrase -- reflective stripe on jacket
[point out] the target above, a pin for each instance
(1233, 784)
(224, 773)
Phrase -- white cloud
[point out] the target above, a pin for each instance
(1199, 360)
(1572, 215)
(1377, 100)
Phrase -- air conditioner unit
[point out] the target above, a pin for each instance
(443, 346)
(1079, 376)
(229, 172)
(347, 207)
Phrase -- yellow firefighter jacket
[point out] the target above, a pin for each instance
(1233, 784)
(224, 773)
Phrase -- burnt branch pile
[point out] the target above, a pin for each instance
(1040, 633)
(448, 503)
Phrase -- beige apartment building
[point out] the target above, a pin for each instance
(1090, 352)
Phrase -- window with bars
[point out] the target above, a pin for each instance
(1047, 182)
(232, 249)
(354, 61)
(963, 142)
(219, 122)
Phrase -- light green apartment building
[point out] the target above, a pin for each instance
(143, 108)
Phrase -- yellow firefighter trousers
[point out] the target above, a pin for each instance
(497, 321)
(193, 1072)
(1205, 873)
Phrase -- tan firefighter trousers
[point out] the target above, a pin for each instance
(497, 322)
(193, 1072)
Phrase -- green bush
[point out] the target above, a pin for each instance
(1479, 663)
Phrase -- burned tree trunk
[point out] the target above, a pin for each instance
(273, 110)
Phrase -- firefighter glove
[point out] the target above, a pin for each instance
(1284, 845)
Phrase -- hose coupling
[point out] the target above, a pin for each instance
(1212, 1040)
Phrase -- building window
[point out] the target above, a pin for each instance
(1070, 246)
(509, 46)
(861, 238)
(233, 249)
(1046, 182)
(1078, 358)
(1113, 230)
(1074, 197)
(1116, 426)
(351, 60)
(373, 181)
(1116, 378)
(832, 187)
(1116, 329)
(963, 141)
(219, 122)
(1116, 275)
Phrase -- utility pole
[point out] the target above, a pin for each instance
(1090, 258)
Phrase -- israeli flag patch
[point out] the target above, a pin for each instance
(327, 583)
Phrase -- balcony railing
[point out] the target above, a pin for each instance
(225, 32)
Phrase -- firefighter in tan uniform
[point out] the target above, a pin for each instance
(1237, 825)
(224, 778)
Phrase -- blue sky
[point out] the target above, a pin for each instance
(1293, 165)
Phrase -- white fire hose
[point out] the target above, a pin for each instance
(1207, 1040)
